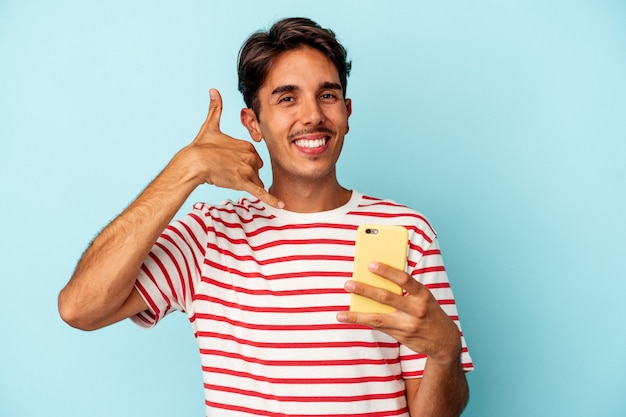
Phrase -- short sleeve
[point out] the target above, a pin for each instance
(172, 269)
(426, 265)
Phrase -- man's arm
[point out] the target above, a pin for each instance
(420, 324)
(442, 391)
(101, 290)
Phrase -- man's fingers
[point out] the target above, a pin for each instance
(374, 320)
(374, 293)
(404, 280)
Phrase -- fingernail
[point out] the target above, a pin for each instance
(342, 317)
(349, 286)
(373, 266)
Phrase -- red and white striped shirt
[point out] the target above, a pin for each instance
(262, 287)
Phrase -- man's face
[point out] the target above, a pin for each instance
(303, 116)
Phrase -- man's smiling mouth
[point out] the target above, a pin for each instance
(312, 138)
(310, 143)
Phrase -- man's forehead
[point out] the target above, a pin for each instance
(299, 67)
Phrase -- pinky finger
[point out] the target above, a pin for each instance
(260, 192)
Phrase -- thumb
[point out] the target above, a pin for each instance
(215, 111)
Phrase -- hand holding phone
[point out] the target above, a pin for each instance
(384, 244)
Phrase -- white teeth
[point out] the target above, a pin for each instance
(310, 143)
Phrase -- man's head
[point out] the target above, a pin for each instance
(261, 49)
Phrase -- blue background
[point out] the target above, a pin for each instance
(503, 122)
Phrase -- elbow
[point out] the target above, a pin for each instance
(70, 313)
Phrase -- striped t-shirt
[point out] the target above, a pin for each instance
(262, 288)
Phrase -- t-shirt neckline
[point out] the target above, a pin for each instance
(283, 214)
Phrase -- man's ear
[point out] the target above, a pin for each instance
(250, 121)
(349, 110)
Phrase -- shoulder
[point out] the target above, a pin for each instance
(378, 210)
(245, 210)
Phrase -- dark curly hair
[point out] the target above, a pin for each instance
(258, 53)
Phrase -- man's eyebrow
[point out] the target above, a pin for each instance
(284, 88)
(327, 85)
(331, 86)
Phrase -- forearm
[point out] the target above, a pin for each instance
(442, 391)
(106, 273)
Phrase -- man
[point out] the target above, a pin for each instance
(266, 281)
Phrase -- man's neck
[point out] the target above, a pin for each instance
(311, 198)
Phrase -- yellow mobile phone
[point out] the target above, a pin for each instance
(380, 243)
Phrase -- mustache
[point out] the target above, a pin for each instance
(320, 129)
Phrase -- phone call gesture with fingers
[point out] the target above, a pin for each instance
(221, 160)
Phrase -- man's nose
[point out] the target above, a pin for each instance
(312, 113)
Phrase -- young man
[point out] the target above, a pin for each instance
(266, 281)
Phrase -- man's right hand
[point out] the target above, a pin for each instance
(218, 159)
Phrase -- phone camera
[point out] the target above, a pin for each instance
(371, 231)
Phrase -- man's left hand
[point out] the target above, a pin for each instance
(419, 322)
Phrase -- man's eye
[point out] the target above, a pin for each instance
(328, 96)
(286, 99)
